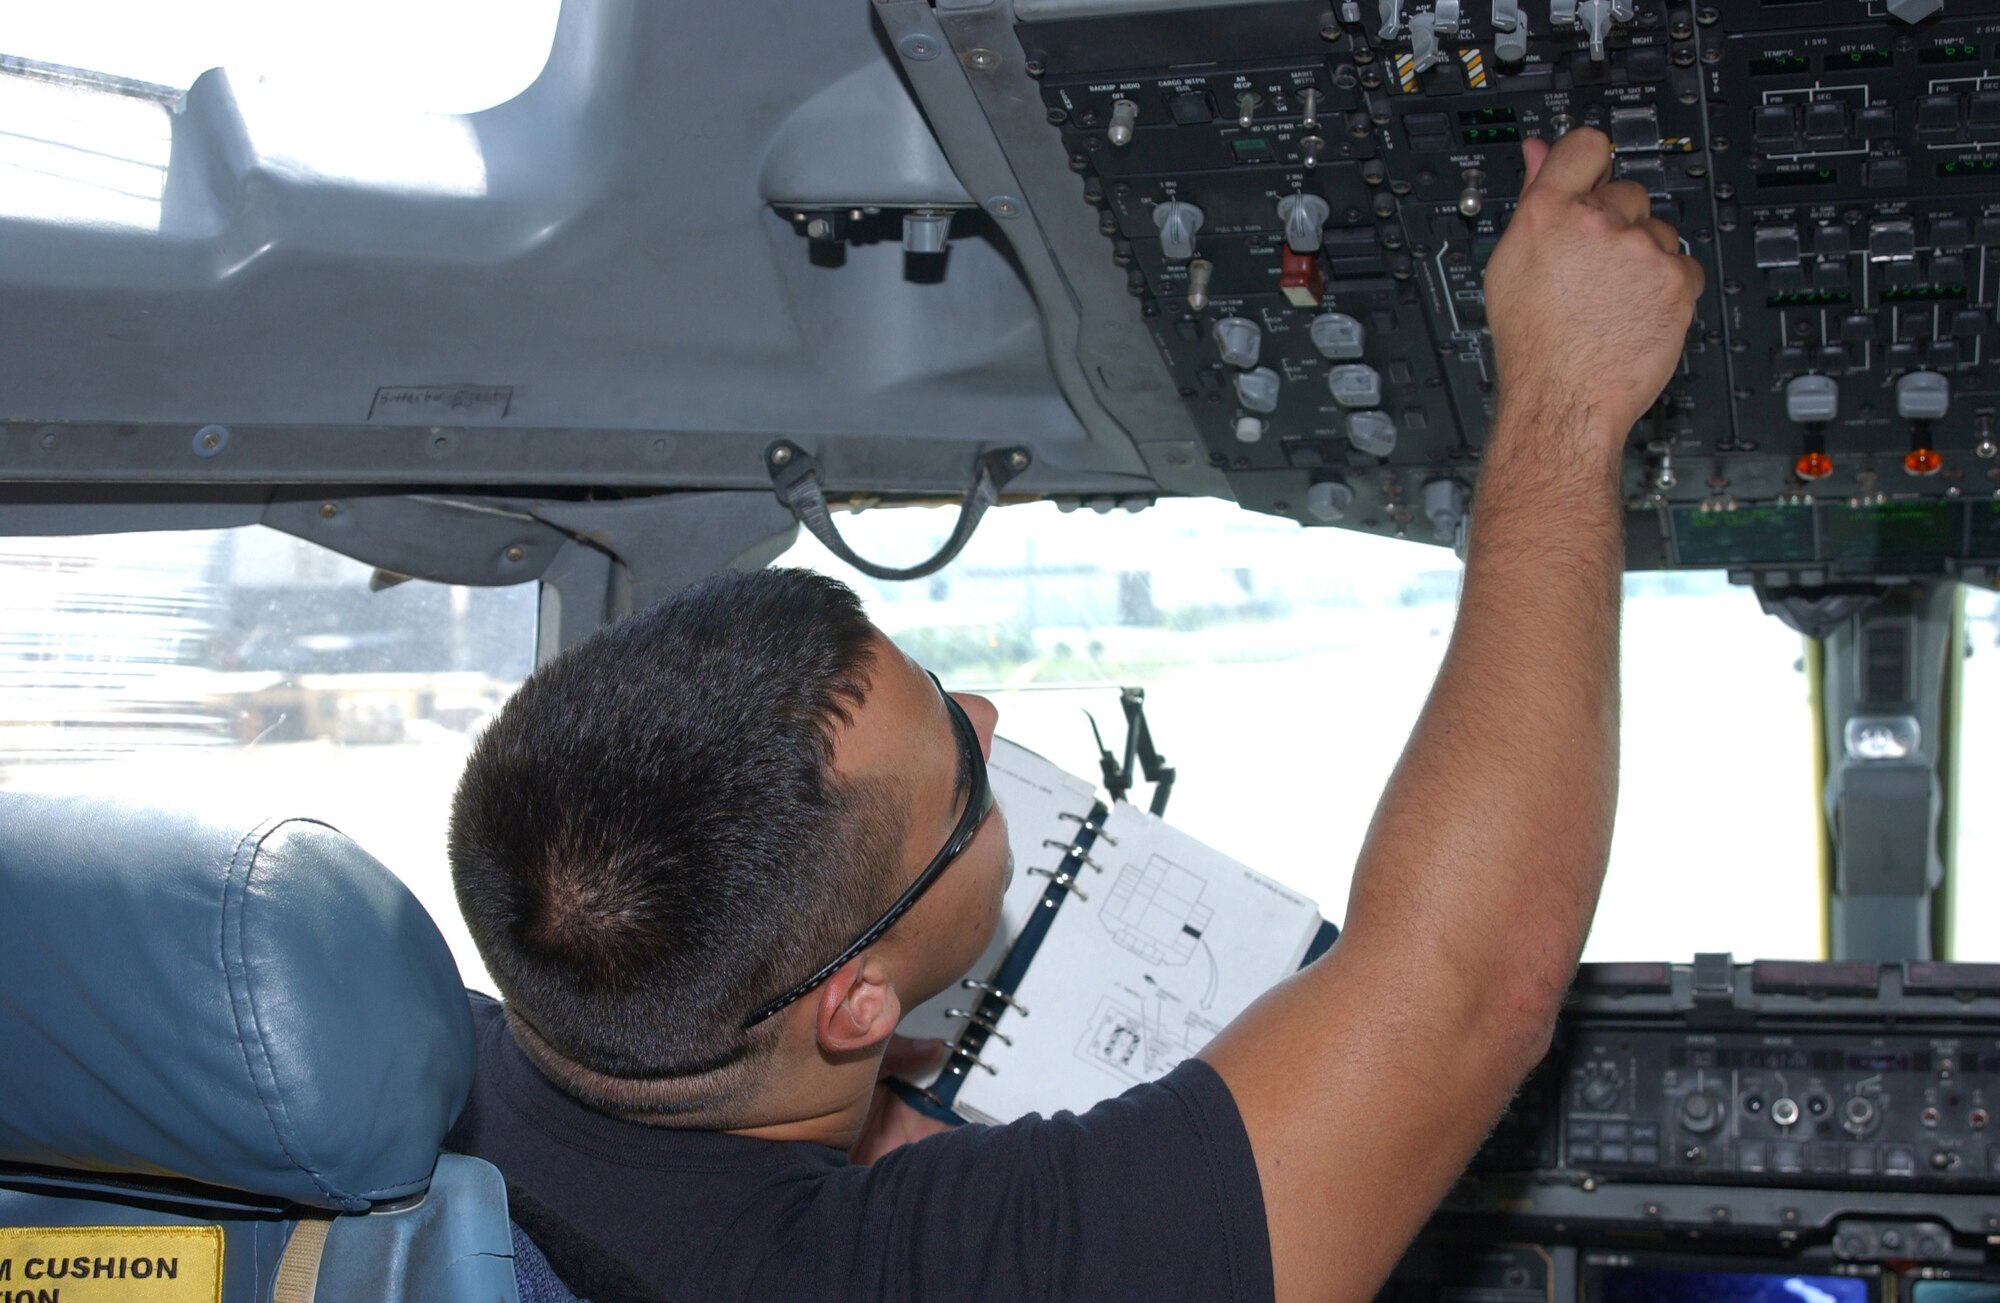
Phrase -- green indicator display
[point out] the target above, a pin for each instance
(1908, 535)
(1792, 178)
(1983, 166)
(1923, 294)
(1982, 530)
(1847, 59)
(1251, 149)
(1484, 117)
(1949, 52)
(1777, 65)
(1807, 298)
(1491, 135)
(1754, 535)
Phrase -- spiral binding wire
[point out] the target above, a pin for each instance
(1069, 852)
(1063, 879)
(974, 984)
(973, 1017)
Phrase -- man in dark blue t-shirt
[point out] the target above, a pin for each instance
(712, 854)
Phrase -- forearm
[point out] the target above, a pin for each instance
(1488, 849)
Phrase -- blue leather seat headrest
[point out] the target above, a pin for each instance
(263, 1008)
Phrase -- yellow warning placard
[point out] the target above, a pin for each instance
(110, 1264)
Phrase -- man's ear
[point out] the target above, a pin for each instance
(858, 1008)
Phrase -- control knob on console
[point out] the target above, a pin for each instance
(1328, 500)
(1355, 385)
(1371, 432)
(1858, 1114)
(1258, 390)
(1302, 217)
(1444, 507)
(1510, 33)
(1602, 1088)
(1239, 340)
(1700, 1112)
(1338, 337)
(1178, 221)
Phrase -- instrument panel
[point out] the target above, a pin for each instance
(1301, 199)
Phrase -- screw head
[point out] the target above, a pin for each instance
(919, 46)
(1018, 460)
(328, 510)
(982, 59)
(1004, 206)
(781, 456)
(515, 552)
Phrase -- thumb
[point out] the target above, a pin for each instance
(1534, 152)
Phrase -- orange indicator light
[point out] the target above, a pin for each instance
(1922, 461)
(1813, 466)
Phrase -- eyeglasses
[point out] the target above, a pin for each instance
(978, 801)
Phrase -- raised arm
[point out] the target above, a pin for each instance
(1367, 1081)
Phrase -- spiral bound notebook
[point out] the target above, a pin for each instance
(1124, 946)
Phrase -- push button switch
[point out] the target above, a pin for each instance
(1776, 124)
(1826, 121)
(1776, 246)
(1876, 122)
(1937, 114)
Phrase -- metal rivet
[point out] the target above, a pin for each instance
(1018, 460)
(328, 510)
(1004, 206)
(918, 46)
(981, 58)
(210, 440)
(50, 438)
(780, 456)
(516, 552)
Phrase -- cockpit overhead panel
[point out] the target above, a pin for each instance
(1298, 199)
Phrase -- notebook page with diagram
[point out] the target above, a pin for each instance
(1045, 806)
(1160, 943)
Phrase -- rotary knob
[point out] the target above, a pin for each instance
(1238, 340)
(1700, 1112)
(1601, 1088)
(1177, 222)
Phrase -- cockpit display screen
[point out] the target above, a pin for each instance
(1955, 1291)
(1624, 1285)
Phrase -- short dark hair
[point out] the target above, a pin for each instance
(648, 841)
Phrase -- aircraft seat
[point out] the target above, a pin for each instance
(228, 1055)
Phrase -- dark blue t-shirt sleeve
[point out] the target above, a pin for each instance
(1150, 1195)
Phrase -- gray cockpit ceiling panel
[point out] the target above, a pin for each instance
(598, 283)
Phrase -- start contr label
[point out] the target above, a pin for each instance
(110, 1264)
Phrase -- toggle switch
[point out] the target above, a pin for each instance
(1124, 116)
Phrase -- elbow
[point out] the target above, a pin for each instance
(1520, 1018)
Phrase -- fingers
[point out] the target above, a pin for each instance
(1626, 198)
(1663, 235)
(1574, 165)
(1534, 152)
